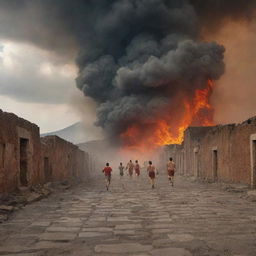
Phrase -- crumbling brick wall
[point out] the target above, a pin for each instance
(26, 160)
(231, 143)
(192, 138)
(65, 160)
(16, 167)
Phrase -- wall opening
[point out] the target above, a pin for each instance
(215, 164)
(47, 170)
(2, 150)
(24, 161)
(253, 162)
(182, 162)
(196, 163)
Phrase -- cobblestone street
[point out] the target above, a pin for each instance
(132, 219)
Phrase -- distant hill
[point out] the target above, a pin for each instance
(75, 133)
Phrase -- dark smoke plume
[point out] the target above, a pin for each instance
(134, 56)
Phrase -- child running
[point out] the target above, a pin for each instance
(121, 170)
(151, 173)
(107, 171)
(137, 168)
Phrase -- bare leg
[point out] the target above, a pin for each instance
(107, 182)
(152, 183)
(172, 180)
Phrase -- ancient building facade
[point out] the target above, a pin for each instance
(228, 153)
(20, 150)
(26, 161)
(225, 153)
(62, 160)
(191, 144)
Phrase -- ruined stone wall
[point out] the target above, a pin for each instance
(232, 144)
(224, 153)
(26, 160)
(19, 152)
(217, 141)
(63, 160)
(192, 138)
(240, 166)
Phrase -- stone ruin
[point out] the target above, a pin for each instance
(223, 153)
(27, 160)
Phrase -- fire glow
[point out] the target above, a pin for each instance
(170, 127)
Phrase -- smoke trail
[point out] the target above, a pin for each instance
(146, 53)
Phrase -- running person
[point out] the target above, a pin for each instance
(151, 173)
(137, 168)
(171, 170)
(107, 171)
(121, 170)
(130, 168)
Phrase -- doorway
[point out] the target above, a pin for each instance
(24, 161)
(215, 164)
(253, 161)
(196, 163)
(2, 150)
(47, 170)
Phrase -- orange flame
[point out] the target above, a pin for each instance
(170, 127)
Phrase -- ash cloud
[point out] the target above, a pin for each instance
(134, 56)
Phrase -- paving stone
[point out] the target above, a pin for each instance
(170, 251)
(21, 254)
(122, 248)
(161, 231)
(41, 223)
(12, 249)
(91, 234)
(117, 219)
(128, 226)
(97, 229)
(161, 226)
(60, 236)
(124, 232)
(132, 219)
(161, 243)
(47, 245)
(181, 237)
(62, 229)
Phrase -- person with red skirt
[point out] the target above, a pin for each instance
(137, 168)
(107, 171)
(151, 173)
(171, 170)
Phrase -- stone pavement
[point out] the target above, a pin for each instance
(132, 219)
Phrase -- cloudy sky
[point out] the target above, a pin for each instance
(36, 85)
(40, 41)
